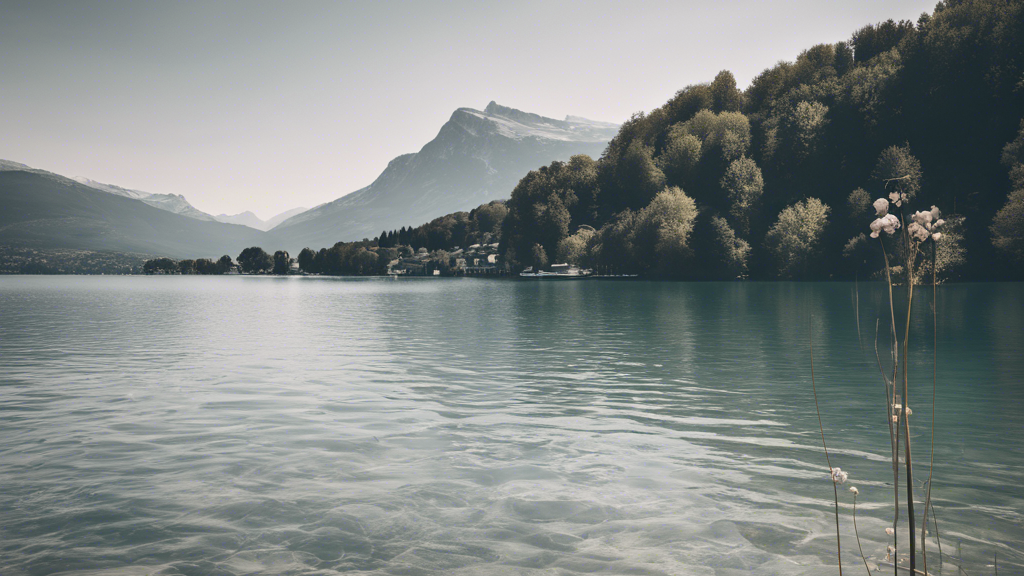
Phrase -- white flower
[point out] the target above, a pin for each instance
(936, 215)
(938, 223)
(936, 237)
(876, 227)
(890, 532)
(910, 412)
(854, 490)
(888, 223)
(897, 198)
(895, 418)
(923, 218)
(838, 476)
(918, 231)
(881, 207)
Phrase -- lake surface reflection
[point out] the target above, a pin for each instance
(236, 425)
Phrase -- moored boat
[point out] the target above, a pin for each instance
(558, 271)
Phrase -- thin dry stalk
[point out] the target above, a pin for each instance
(857, 533)
(906, 401)
(856, 311)
(894, 434)
(835, 490)
(931, 459)
(935, 523)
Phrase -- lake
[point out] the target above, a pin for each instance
(262, 425)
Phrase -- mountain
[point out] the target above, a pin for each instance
(477, 156)
(246, 218)
(175, 203)
(45, 210)
(170, 202)
(253, 221)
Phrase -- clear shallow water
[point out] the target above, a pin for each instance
(233, 425)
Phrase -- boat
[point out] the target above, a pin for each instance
(558, 272)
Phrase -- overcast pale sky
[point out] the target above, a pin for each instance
(266, 106)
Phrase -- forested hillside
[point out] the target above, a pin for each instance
(777, 181)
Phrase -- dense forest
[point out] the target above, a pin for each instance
(777, 181)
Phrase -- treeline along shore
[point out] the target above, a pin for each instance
(773, 182)
(777, 181)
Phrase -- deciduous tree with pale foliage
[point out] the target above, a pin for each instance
(796, 236)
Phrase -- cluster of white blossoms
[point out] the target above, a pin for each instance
(838, 476)
(854, 490)
(890, 531)
(924, 225)
(885, 222)
(896, 412)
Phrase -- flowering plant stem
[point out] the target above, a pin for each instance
(931, 459)
(911, 254)
(857, 534)
(890, 401)
(835, 489)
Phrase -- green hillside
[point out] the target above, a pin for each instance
(777, 181)
(47, 211)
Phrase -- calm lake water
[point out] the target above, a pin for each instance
(235, 425)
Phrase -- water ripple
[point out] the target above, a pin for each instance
(322, 426)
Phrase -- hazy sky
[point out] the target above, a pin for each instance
(266, 106)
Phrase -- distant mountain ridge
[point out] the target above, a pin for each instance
(175, 203)
(477, 156)
(49, 211)
(251, 220)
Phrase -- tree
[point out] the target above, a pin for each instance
(730, 252)
(725, 97)
(540, 257)
(639, 177)
(187, 266)
(795, 237)
(489, 217)
(1008, 226)
(255, 260)
(224, 264)
(806, 127)
(206, 266)
(950, 254)
(616, 247)
(862, 256)
(743, 184)
(575, 249)
(307, 261)
(680, 156)
(725, 135)
(899, 171)
(873, 40)
(365, 262)
(160, 265)
(282, 262)
(844, 58)
(663, 230)
(859, 204)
